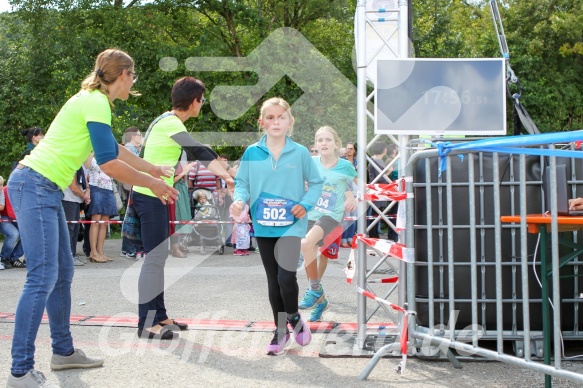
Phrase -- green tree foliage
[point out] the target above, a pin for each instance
(545, 37)
(545, 41)
(49, 46)
(53, 45)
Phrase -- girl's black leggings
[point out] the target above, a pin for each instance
(280, 257)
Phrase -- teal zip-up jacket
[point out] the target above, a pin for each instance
(260, 174)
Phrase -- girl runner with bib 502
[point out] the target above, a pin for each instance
(272, 178)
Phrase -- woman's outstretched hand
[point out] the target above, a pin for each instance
(162, 171)
(166, 194)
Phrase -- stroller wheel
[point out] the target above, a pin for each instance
(192, 239)
(221, 250)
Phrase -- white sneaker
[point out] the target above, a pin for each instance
(131, 255)
(2, 267)
(33, 379)
(76, 360)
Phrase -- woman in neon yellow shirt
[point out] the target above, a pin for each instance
(36, 190)
(167, 139)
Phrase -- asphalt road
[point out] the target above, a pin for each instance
(218, 294)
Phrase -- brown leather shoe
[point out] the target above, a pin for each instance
(176, 252)
(183, 248)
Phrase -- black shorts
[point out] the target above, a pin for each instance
(328, 224)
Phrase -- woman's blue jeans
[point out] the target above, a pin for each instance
(12, 247)
(154, 226)
(349, 228)
(49, 266)
(127, 246)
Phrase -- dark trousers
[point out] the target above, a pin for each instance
(153, 215)
(280, 257)
(392, 235)
(374, 232)
(72, 214)
(86, 242)
(127, 246)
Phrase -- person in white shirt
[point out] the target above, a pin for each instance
(74, 195)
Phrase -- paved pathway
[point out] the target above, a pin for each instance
(224, 297)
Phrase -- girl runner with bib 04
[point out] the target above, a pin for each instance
(272, 178)
(326, 215)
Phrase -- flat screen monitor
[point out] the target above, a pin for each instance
(417, 96)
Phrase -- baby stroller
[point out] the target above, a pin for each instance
(207, 234)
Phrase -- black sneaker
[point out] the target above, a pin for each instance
(18, 264)
(7, 264)
(251, 248)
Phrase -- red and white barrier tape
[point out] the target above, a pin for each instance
(372, 296)
(404, 325)
(394, 250)
(385, 247)
(385, 192)
(121, 222)
(390, 192)
(170, 222)
(195, 222)
(404, 346)
(393, 279)
(375, 192)
(389, 216)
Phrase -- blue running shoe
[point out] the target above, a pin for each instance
(311, 298)
(316, 313)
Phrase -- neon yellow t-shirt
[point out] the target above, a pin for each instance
(161, 149)
(67, 143)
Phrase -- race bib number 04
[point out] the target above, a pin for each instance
(274, 211)
(326, 203)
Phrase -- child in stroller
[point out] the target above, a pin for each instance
(202, 202)
(209, 233)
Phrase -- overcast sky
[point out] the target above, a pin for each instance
(4, 6)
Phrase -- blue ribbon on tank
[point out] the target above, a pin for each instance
(510, 144)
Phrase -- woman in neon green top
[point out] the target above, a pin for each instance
(166, 140)
(35, 188)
